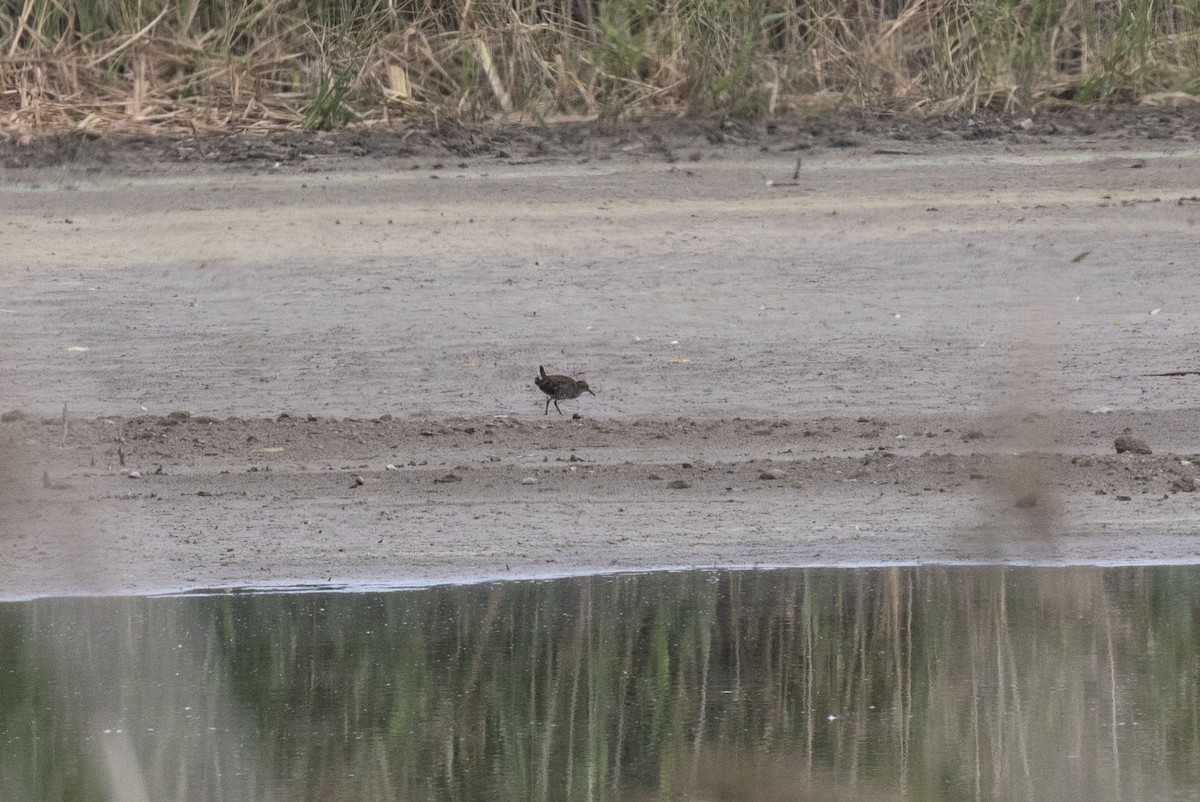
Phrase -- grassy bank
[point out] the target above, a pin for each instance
(219, 65)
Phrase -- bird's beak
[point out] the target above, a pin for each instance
(590, 390)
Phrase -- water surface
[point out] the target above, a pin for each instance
(927, 683)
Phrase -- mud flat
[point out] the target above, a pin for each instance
(916, 350)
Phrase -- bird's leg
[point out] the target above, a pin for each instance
(556, 406)
(547, 412)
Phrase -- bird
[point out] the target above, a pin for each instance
(559, 388)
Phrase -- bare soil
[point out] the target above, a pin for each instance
(310, 359)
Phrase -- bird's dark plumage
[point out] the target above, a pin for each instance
(559, 388)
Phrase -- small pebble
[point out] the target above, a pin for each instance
(678, 484)
(529, 480)
(135, 474)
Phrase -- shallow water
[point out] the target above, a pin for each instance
(924, 683)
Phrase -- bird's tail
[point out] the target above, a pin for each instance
(543, 370)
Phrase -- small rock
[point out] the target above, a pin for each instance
(12, 416)
(391, 467)
(385, 418)
(180, 414)
(679, 484)
(1184, 484)
(529, 480)
(134, 474)
(1128, 444)
(358, 481)
(1124, 498)
(447, 479)
(769, 474)
(654, 477)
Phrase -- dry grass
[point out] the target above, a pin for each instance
(183, 66)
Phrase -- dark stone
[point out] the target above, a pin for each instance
(1131, 445)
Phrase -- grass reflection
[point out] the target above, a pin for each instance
(903, 683)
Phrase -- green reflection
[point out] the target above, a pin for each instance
(903, 683)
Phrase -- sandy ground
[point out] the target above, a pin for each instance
(922, 348)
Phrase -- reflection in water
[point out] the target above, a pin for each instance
(832, 684)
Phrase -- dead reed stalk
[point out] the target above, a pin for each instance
(174, 66)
